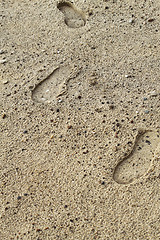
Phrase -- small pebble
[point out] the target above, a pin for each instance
(60, 100)
(2, 51)
(111, 106)
(90, 12)
(25, 131)
(144, 98)
(5, 81)
(3, 115)
(151, 20)
(153, 94)
(3, 61)
(19, 197)
(147, 141)
(31, 87)
(86, 151)
(131, 20)
(146, 111)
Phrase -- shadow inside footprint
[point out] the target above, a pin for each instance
(74, 18)
(138, 162)
(51, 87)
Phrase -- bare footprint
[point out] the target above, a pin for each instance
(74, 18)
(53, 86)
(138, 162)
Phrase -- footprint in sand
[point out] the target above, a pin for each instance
(74, 18)
(138, 162)
(53, 86)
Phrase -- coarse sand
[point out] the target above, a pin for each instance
(80, 120)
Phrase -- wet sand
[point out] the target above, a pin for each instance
(80, 120)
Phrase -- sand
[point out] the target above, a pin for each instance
(80, 120)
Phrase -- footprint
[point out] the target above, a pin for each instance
(138, 162)
(74, 18)
(53, 86)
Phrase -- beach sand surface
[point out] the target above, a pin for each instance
(80, 120)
